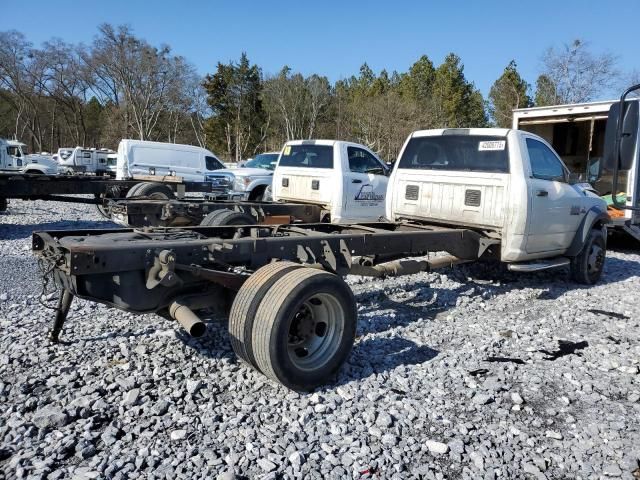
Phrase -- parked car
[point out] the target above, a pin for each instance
(249, 180)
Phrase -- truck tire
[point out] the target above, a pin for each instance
(245, 305)
(208, 219)
(4, 203)
(587, 266)
(257, 194)
(304, 328)
(155, 191)
(133, 191)
(225, 217)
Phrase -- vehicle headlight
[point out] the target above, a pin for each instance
(241, 183)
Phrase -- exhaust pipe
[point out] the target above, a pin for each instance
(187, 319)
(405, 267)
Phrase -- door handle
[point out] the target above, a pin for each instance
(542, 193)
(355, 180)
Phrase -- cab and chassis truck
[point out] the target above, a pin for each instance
(314, 181)
(63, 188)
(471, 193)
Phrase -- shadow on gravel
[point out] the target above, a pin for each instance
(378, 355)
(16, 231)
(565, 347)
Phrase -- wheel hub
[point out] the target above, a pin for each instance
(315, 331)
(596, 259)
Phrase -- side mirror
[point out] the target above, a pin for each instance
(623, 158)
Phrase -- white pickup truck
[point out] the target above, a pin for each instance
(509, 184)
(347, 179)
(248, 181)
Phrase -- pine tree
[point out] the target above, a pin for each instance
(417, 83)
(508, 92)
(234, 95)
(456, 102)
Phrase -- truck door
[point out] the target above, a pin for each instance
(556, 208)
(365, 186)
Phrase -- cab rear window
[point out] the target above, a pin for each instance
(467, 153)
(309, 156)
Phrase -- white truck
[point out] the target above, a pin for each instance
(509, 184)
(577, 134)
(13, 159)
(247, 181)
(347, 179)
(317, 181)
(83, 160)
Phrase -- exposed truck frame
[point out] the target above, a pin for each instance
(196, 211)
(60, 187)
(175, 272)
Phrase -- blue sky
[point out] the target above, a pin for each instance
(335, 37)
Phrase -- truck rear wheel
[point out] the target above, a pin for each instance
(224, 217)
(304, 328)
(246, 303)
(155, 191)
(133, 191)
(4, 203)
(587, 266)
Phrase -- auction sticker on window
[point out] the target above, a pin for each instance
(490, 145)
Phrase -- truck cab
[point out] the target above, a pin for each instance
(509, 184)
(13, 159)
(577, 132)
(347, 179)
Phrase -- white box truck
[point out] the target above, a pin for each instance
(577, 134)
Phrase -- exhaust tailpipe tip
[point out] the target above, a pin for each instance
(187, 319)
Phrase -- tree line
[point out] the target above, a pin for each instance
(120, 86)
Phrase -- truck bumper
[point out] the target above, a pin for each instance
(229, 195)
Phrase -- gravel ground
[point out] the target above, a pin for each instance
(469, 373)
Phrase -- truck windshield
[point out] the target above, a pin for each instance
(473, 153)
(264, 160)
(309, 156)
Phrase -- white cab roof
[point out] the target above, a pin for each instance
(498, 132)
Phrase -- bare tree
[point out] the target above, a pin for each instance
(135, 76)
(20, 80)
(578, 74)
(297, 102)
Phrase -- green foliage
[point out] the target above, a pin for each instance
(237, 121)
(508, 92)
(455, 101)
(546, 93)
(417, 84)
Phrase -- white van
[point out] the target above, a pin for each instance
(138, 157)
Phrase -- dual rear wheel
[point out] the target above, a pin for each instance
(294, 324)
